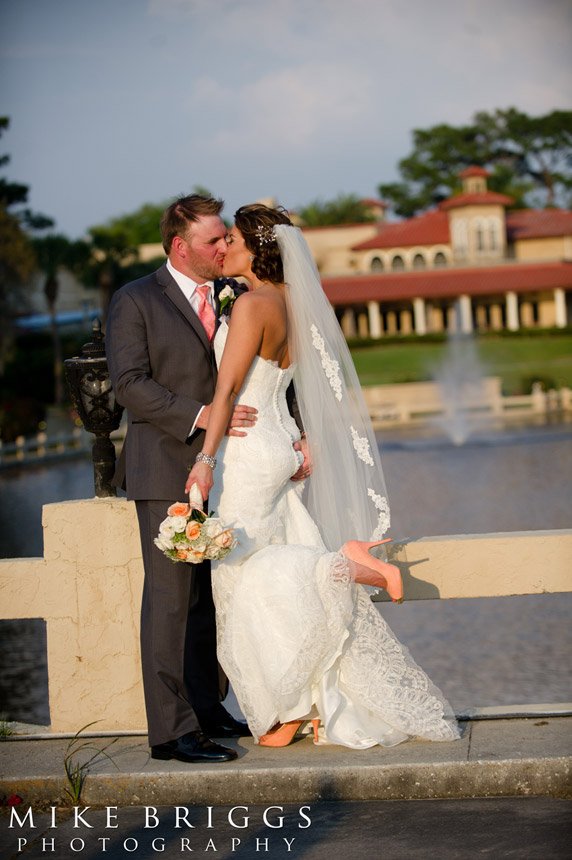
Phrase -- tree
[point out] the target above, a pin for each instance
(344, 209)
(54, 252)
(15, 193)
(140, 227)
(100, 261)
(110, 256)
(524, 154)
(537, 149)
(17, 259)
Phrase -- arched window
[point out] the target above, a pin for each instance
(419, 262)
(494, 234)
(440, 260)
(377, 265)
(460, 237)
(479, 235)
(397, 264)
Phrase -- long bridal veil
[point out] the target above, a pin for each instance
(346, 493)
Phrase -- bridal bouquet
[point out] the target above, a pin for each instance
(189, 534)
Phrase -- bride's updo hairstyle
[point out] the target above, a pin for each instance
(256, 223)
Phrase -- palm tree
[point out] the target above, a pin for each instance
(101, 261)
(54, 252)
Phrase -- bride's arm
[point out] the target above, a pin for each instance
(243, 343)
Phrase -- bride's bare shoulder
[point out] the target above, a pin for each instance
(259, 303)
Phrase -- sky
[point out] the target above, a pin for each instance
(115, 103)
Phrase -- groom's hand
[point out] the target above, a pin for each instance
(305, 469)
(242, 416)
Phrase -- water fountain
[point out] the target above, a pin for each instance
(461, 382)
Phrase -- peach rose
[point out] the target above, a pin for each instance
(195, 557)
(178, 509)
(193, 530)
(182, 554)
(224, 539)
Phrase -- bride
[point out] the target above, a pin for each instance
(297, 633)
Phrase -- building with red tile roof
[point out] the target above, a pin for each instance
(468, 263)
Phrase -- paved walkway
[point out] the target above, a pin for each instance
(494, 758)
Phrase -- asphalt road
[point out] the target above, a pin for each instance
(519, 828)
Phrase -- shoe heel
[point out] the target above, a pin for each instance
(316, 727)
(375, 543)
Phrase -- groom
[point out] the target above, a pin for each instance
(162, 367)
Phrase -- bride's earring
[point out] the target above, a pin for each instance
(251, 257)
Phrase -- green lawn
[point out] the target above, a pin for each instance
(517, 360)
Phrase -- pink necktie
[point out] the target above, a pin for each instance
(206, 313)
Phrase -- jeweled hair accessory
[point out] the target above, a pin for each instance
(265, 235)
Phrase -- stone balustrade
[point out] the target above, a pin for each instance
(423, 403)
(88, 586)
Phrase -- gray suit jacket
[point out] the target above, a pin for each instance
(163, 370)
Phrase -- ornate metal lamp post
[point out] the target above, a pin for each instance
(90, 389)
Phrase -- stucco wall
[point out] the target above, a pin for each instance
(550, 248)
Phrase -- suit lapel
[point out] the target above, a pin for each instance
(216, 290)
(174, 293)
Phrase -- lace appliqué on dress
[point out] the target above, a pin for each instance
(382, 506)
(379, 672)
(340, 569)
(330, 365)
(361, 446)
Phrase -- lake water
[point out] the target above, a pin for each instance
(480, 652)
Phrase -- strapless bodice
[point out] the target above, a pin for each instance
(264, 388)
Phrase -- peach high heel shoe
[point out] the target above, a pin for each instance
(373, 571)
(283, 733)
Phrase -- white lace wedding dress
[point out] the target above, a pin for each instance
(296, 635)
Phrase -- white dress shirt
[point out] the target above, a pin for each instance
(189, 289)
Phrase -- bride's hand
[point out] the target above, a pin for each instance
(202, 475)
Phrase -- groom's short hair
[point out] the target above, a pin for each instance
(182, 212)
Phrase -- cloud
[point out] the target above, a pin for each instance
(288, 110)
(298, 98)
(291, 65)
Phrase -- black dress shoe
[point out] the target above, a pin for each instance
(223, 725)
(193, 747)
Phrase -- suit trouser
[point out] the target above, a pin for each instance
(178, 636)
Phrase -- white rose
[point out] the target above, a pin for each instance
(178, 524)
(226, 293)
(163, 543)
(166, 529)
(200, 547)
(212, 526)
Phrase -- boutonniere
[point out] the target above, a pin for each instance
(227, 298)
